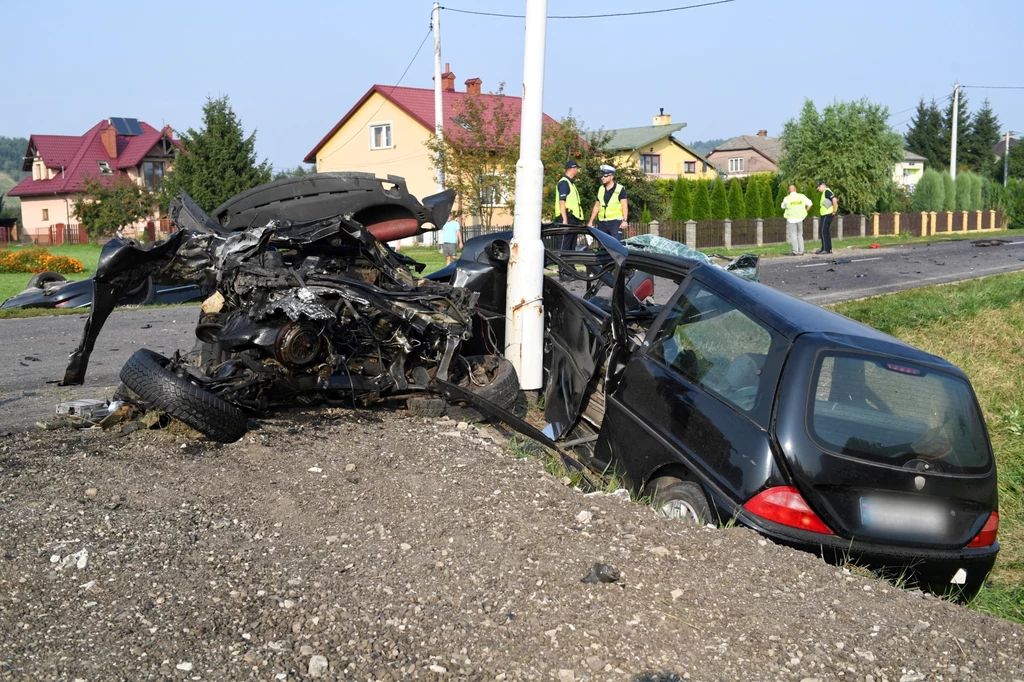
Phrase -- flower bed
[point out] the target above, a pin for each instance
(37, 259)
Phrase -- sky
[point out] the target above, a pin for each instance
(293, 69)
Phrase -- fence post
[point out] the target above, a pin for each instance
(654, 228)
(727, 233)
(814, 227)
(963, 223)
(924, 223)
(863, 226)
(874, 224)
(896, 224)
(759, 229)
(691, 234)
(839, 227)
(991, 219)
(980, 225)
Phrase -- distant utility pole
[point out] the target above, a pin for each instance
(1006, 157)
(956, 113)
(524, 306)
(435, 22)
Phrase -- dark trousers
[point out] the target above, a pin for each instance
(612, 227)
(825, 232)
(567, 242)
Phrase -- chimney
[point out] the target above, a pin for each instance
(662, 119)
(447, 79)
(762, 133)
(108, 136)
(168, 132)
(473, 86)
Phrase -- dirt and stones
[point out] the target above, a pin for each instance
(370, 546)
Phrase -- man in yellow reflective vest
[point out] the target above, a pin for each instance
(796, 205)
(568, 209)
(829, 207)
(611, 210)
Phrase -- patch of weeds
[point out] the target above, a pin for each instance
(1004, 601)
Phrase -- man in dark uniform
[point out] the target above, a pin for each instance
(829, 207)
(568, 210)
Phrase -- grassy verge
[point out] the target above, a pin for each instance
(89, 254)
(783, 249)
(977, 325)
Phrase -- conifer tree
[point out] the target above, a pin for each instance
(753, 198)
(983, 134)
(737, 204)
(948, 193)
(768, 207)
(682, 207)
(929, 193)
(719, 200)
(779, 198)
(701, 201)
(924, 135)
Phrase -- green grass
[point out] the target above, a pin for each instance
(89, 254)
(977, 325)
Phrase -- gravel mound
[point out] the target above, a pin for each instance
(365, 545)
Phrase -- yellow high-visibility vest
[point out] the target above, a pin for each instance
(572, 202)
(612, 209)
(796, 207)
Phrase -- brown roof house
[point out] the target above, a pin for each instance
(747, 154)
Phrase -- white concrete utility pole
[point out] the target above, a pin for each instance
(956, 114)
(1006, 157)
(524, 307)
(435, 22)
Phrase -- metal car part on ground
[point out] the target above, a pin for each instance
(727, 400)
(304, 312)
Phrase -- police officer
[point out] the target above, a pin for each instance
(829, 207)
(796, 206)
(567, 207)
(611, 210)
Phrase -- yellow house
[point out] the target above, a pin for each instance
(386, 131)
(653, 149)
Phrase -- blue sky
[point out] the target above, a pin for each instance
(292, 69)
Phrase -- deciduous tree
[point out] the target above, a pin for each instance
(850, 144)
(217, 161)
(103, 208)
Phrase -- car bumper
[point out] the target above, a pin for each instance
(939, 569)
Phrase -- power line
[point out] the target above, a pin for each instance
(994, 87)
(589, 16)
(391, 92)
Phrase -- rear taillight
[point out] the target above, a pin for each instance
(986, 537)
(785, 505)
(61, 304)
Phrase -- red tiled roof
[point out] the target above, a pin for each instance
(75, 158)
(419, 104)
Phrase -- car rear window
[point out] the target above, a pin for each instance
(896, 413)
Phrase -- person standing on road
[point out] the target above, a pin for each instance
(451, 238)
(829, 207)
(796, 206)
(568, 209)
(611, 210)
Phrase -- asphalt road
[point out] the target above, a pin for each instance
(848, 274)
(36, 349)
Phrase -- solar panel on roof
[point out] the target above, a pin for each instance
(133, 126)
(120, 126)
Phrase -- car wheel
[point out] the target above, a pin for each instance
(147, 375)
(41, 279)
(489, 376)
(677, 499)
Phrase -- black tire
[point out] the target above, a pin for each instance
(147, 375)
(41, 279)
(501, 387)
(677, 499)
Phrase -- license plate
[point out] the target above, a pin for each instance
(905, 517)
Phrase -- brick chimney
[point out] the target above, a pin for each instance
(168, 132)
(473, 86)
(662, 119)
(762, 133)
(108, 136)
(447, 79)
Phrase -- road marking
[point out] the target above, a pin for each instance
(861, 260)
(815, 265)
(833, 262)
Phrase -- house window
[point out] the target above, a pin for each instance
(689, 166)
(153, 173)
(736, 165)
(380, 136)
(105, 168)
(46, 214)
(650, 163)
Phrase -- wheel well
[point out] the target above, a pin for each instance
(675, 470)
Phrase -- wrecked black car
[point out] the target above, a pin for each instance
(727, 401)
(52, 290)
(303, 311)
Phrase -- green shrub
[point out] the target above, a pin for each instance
(737, 205)
(780, 196)
(1013, 202)
(719, 200)
(930, 192)
(682, 206)
(753, 199)
(949, 193)
(766, 208)
(975, 194)
(701, 200)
